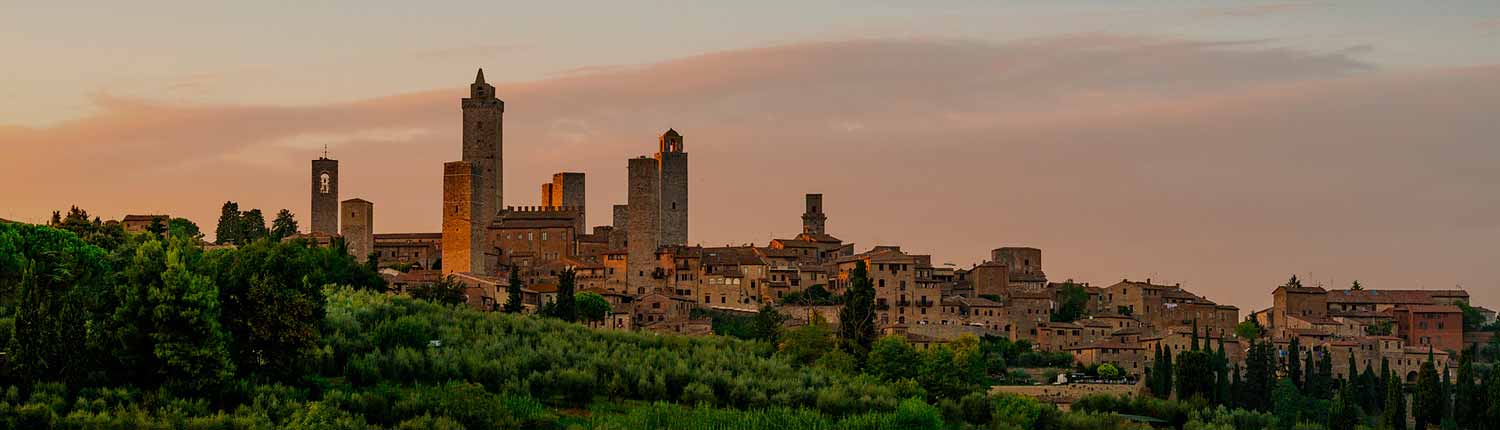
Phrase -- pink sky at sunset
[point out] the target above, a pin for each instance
(1223, 165)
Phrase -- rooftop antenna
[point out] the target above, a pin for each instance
(325, 150)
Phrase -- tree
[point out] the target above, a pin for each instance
(1293, 282)
(513, 292)
(1107, 370)
(253, 226)
(189, 343)
(1464, 393)
(808, 343)
(1260, 376)
(767, 323)
(1395, 404)
(1072, 302)
(567, 308)
(272, 303)
(1326, 384)
(284, 226)
(1356, 286)
(1473, 320)
(157, 227)
(1294, 360)
(55, 278)
(1491, 402)
(446, 291)
(1310, 381)
(1345, 413)
(230, 230)
(1235, 385)
(1165, 370)
(592, 307)
(1195, 376)
(892, 358)
(1427, 401)
(1248, 329)
(1379, 328)
(857, 317)
(183, 227)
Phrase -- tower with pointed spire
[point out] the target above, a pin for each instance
(483, 148)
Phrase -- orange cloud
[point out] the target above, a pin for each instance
(1225, 166)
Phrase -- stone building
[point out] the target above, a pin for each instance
(1438, 326)
(618, 236)
(463, 234)
(534, 236)
(990, 279)
(642, 230)
(899, 297)
(137, 224)
(672, 165)
(1025, 266)
(813, 219)
(420, 250)
(567, 191)
(325, 196)
(357, 226)
(484, 147)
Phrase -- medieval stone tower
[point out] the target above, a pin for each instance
(642, 224)
(673, 197)
(483, 147)
(463, 235)
(813, 218)
(566, 190)
(325, 195)
(357, 225)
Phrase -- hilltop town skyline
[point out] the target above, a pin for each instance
(1110, 174)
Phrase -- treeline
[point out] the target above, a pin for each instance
(238, 227)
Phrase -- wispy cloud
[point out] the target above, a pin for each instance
(1254, 10)
(1231, 163)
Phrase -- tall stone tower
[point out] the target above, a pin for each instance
(566, 191)
(463, 235)
(673, 165)
(357, 225)
(483, 147)
(813, 218)
(642, 225)
(325, 195)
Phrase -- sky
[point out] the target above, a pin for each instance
(1221, 145)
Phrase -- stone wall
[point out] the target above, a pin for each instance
(642, 226)
(673, 166)
(357, 225)
(462, 236)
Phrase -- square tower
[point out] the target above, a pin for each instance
(566, 192)
(813, 218)
(463, 236)
(483, 147)
(325, 196)
(642, 225)
(357, 221)
(673, 166)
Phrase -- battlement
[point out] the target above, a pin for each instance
(527, 209)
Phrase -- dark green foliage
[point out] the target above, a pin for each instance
(272, 302)
(808, 343)
(253, 226)
(1249, 329)
(567, 306)
(158, 227)
(1394, 417)
(1292, 408)
(55, 282)
(1072, 302)
(446, 291)
(1325, 382)
(1260, 376)
(513, 292)
(767, 324)
(857, 317)
(891, 358)
(183, 227)
(1345, 412)
(816, 295)
(284, 226)
(1427, 399)
(1294, 360)
(1195, 376)
(592, 307)
(189, 344)
(1174, 413)
(1465, 394)
(230, 229)
(1491, 401)
(1380, 328)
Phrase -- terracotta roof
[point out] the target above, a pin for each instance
(145, 218)
(978, 302)
(1392, 296)
(794, 243)
(1128, 331)
(408, 236)
(1059, 325)
(1105, 345)
(1095, 323)
(1307, 290)
(819, 237)
(1432, 309)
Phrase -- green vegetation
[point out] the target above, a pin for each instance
(1072, 302)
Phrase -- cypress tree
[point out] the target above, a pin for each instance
(1260, 376)
(1153, 380)
(1351, 373)
(1325, 374)
(1344, 413)
(1294, 362)
(1427, 403)
(1166, 373)
(1371, 387)
(857, 317)
(1385, 376)
(1195, 335)
(1235, 385)
(1395, 402)
(567, 308)
(1464, 393)
(1491, 403)
(513, 292)
(1310, 374)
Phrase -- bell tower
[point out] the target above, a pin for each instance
(483, 147)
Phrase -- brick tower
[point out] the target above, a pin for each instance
(463, 237)
(484, 145)
(673, 166)
(325, 195)
(813, 218)
(642, 225)
(357, 226)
